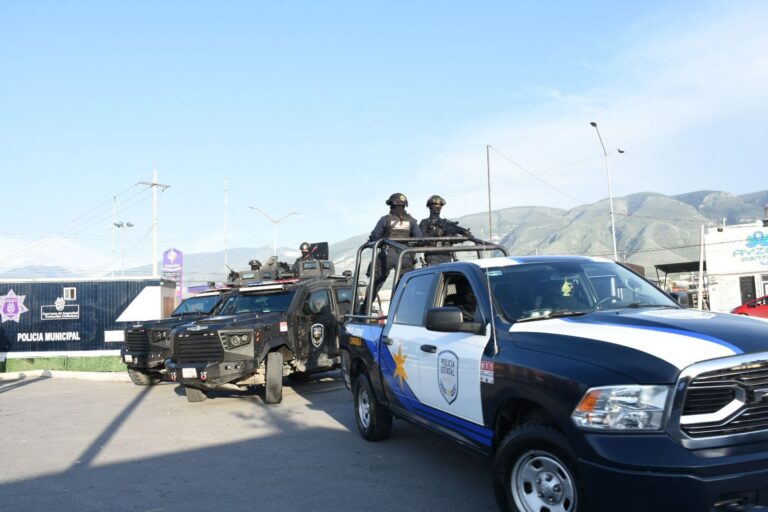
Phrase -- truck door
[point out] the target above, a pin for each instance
(450, 362)
(403, 337)
(318, 329)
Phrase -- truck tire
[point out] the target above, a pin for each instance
(195, 395)
(374, 421)
(534, 470)
(141, 379)
(273, 393)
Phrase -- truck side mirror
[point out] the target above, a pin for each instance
(451, 319)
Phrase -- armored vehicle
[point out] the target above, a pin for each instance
(147, 344)
(268, 330)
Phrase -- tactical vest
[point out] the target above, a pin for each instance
(397, 228)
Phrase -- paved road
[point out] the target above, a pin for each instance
(73, 445)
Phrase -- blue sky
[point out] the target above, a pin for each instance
(326, 108)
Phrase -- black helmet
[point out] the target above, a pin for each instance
(304, 247)
(397, 199)
(435, 200)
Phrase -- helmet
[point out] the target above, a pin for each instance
(435, 200)
(304, 247)
(397, 199)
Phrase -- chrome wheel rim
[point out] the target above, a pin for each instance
(539, 482)
(363, 408)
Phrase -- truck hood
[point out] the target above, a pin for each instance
(647, 345)
(168, 323)
(245, 321)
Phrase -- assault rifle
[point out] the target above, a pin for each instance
(449, 228)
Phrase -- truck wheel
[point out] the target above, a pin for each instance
(535, 470)
(274, 384)
(141, 379)
(374, 421)
(195, 395)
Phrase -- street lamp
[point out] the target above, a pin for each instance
(119, 225)
(610, 191)
(274, 225)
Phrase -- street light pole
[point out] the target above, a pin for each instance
(610, 191)
(274, 222)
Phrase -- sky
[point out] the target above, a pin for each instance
(326, 108)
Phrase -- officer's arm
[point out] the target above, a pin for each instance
(415, 230)
(379, 230)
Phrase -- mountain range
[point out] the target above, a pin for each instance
(651, 229)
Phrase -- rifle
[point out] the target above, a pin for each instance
(450, 228)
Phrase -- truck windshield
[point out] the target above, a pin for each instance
(258, 303)
(535, 291)
(197, 305)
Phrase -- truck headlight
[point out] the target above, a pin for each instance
(622, 408)
(232, 339)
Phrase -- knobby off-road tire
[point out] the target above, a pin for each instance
(374, 421)
(534, 470)
(141, 379)
(195, 395)
(273, 393)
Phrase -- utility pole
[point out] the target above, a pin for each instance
(112, 227)
(488, 172)
(154, 184)
(226, 221)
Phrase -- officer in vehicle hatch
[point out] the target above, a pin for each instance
(431, 227)
(397, 224)
(306, 255)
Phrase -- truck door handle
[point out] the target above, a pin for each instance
(429, 348)
(386, 340)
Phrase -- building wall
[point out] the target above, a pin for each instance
(737, 260)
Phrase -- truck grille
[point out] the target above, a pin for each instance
(198, 348)
(137, 340)
(740, 391)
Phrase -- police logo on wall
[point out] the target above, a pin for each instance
(448, 375)
(318, 333)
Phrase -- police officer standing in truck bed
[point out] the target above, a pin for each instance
(397, 224)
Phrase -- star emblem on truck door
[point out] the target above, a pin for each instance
(400, 365)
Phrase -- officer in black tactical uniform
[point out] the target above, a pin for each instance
(431, 228)
(306, 255)
(436, 226)
(397, 224)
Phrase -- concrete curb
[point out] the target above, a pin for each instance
(98, 376)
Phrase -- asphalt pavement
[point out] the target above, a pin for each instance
(89, 445)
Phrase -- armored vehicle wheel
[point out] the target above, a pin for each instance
(195, 395)
(535, 470)
(274, 385)
(374, 421)
(141, 379)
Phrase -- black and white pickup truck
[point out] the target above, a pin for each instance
(590, 387)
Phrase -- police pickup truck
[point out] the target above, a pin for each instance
(268, 330)
(147, 344)
(590, 387)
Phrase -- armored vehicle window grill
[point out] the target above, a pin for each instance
(198, 348)
(731, 401)
(137, 340)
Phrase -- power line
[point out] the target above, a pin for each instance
(534, 176)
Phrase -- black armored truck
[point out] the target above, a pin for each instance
(147, 344)
(285, 326)
(590, 387)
